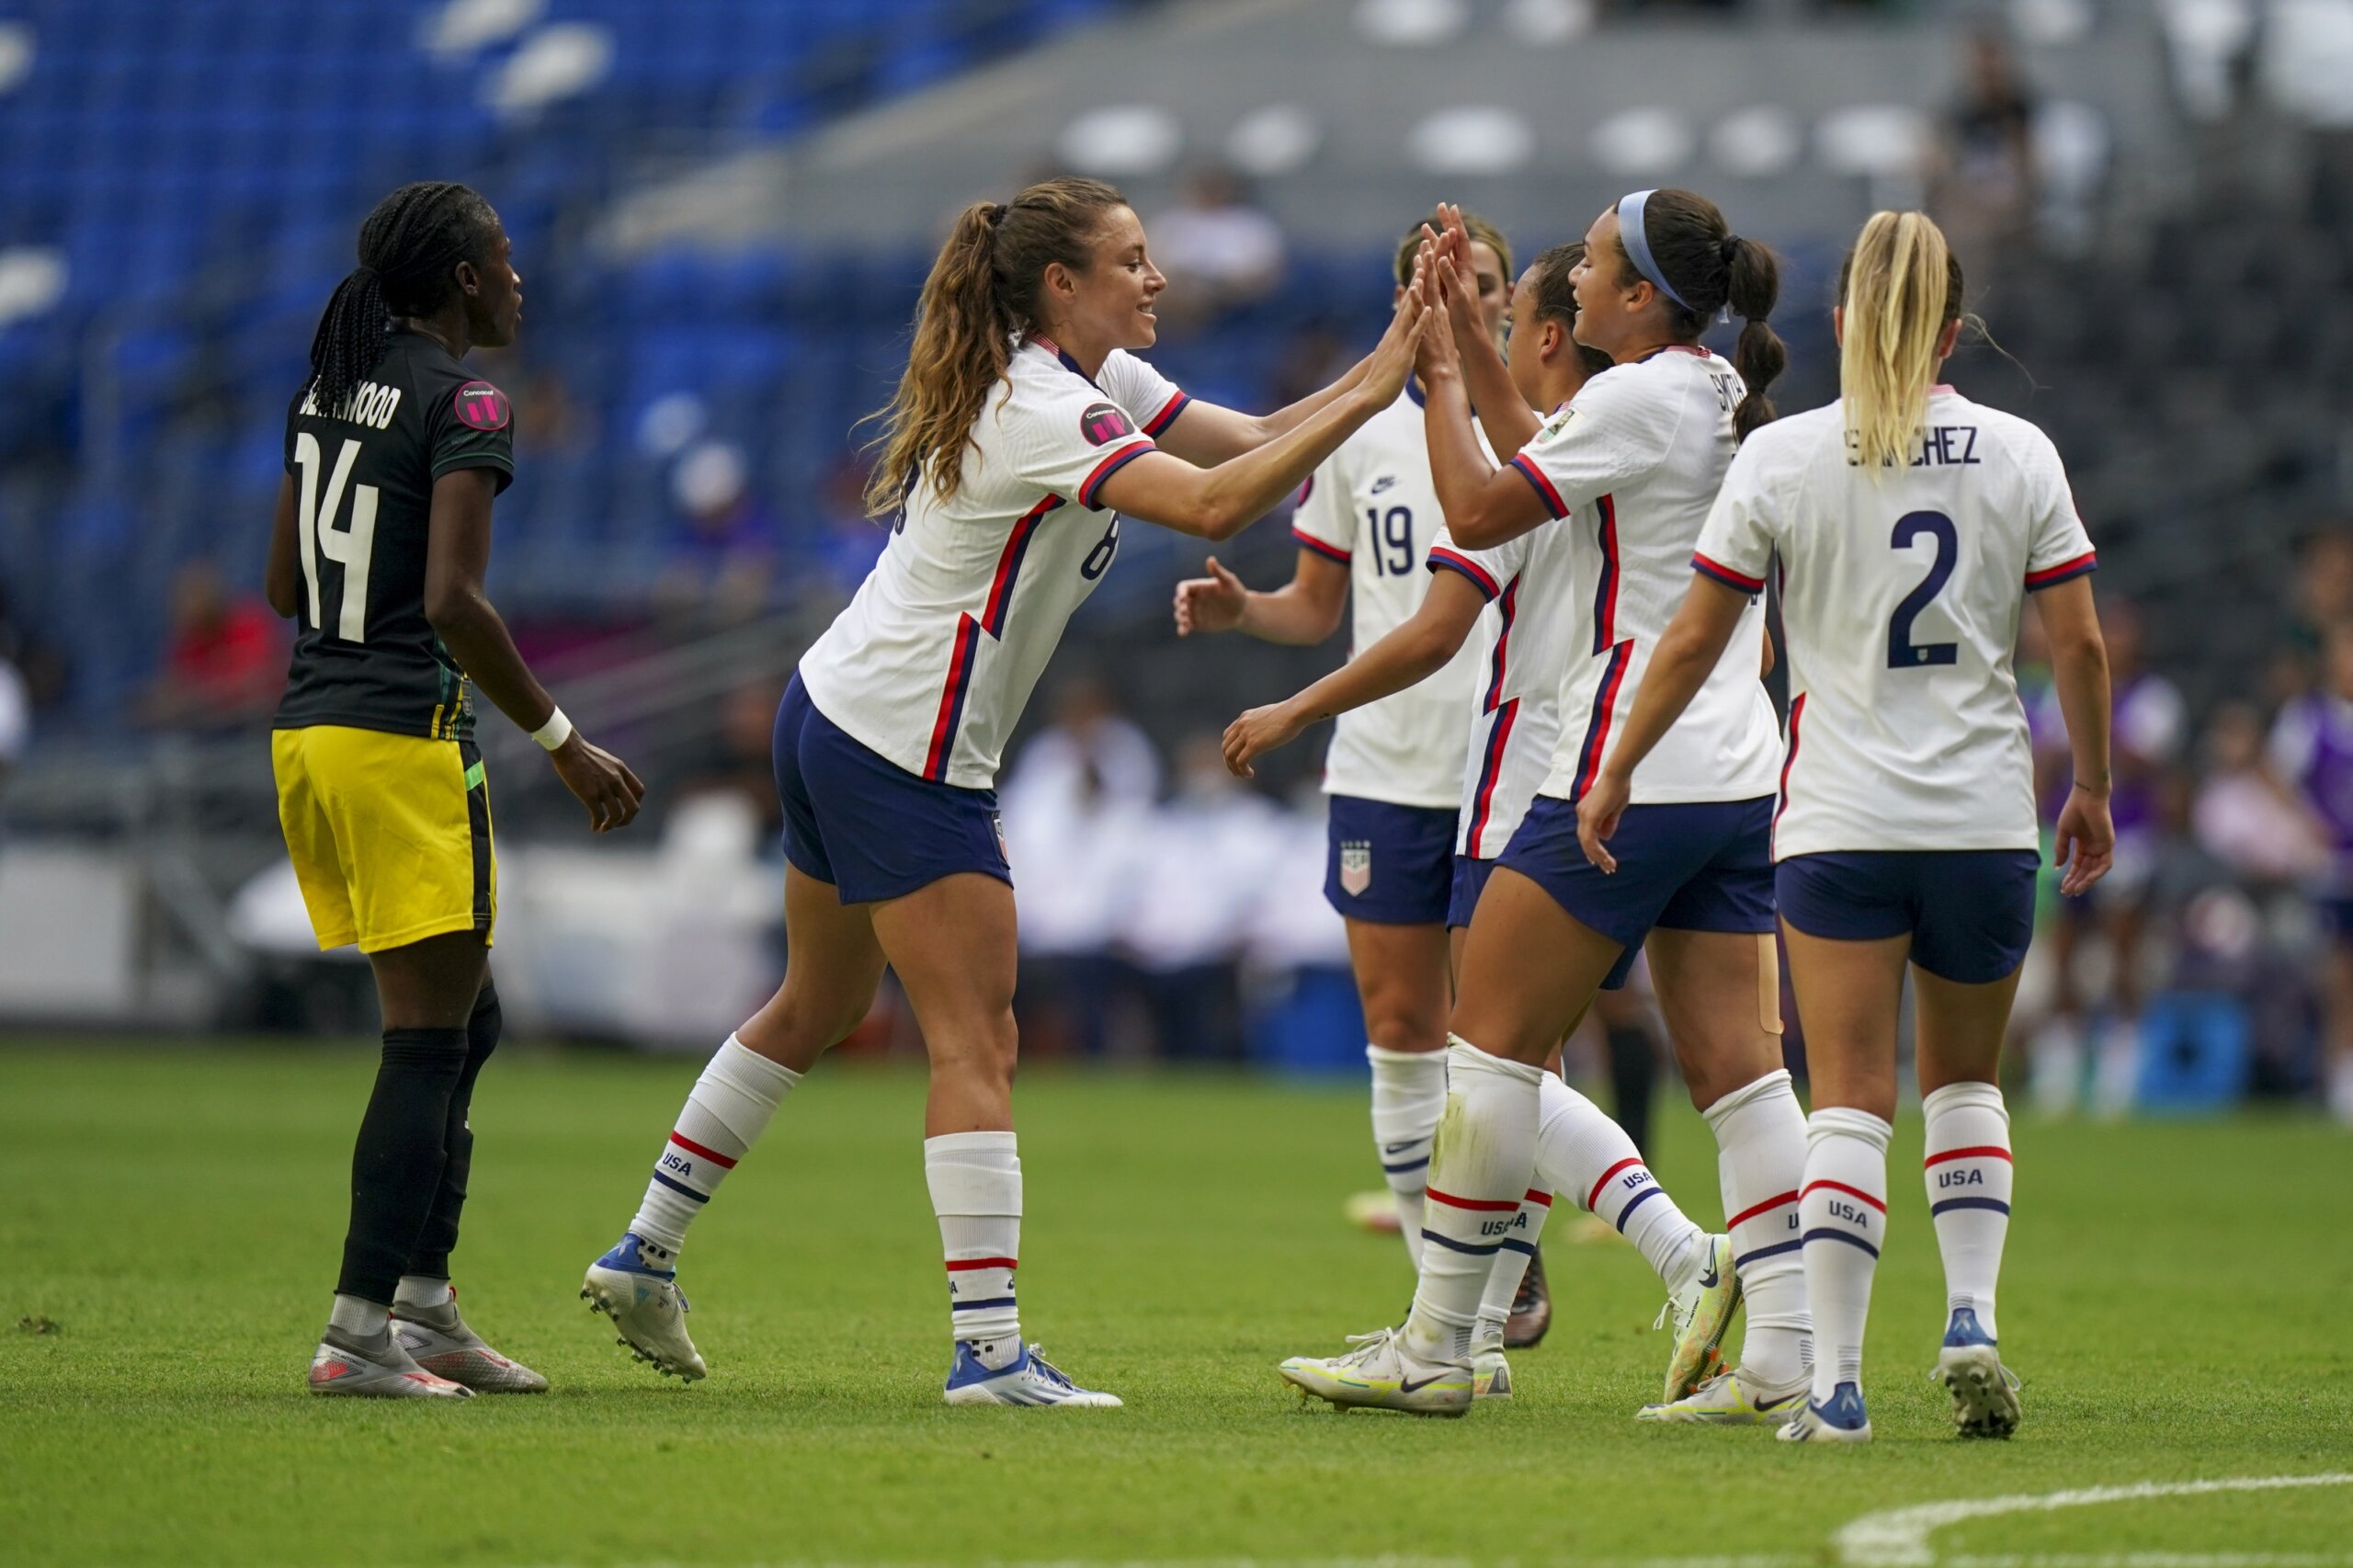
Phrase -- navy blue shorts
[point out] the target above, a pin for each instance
(1706, 865)
(872, 829)
(1470, 881)
(1970, 912)
(1392, 865)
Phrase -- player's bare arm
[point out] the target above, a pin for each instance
(1484, 506)
(282, 578)
(1218, 503)
(1686, 654)
(476, 636)
(1300, 613)
(2085, 836)
(1411, 652)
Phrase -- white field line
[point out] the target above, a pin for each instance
(1898, 1538)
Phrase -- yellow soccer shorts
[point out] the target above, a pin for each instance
(389, 835)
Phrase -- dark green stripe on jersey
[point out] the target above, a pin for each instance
(363, 472)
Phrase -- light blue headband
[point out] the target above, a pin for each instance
(1637, 240)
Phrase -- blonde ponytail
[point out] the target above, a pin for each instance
(1900, 290)
(983, 291)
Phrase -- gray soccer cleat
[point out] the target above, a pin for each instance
(437, 1339)
(343, 1365)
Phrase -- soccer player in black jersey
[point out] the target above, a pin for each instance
(394, 456)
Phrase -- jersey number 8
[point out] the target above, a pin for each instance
(348, 547)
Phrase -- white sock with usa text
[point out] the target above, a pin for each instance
(1968, 1171)
(975, 1181)
(730, 1106)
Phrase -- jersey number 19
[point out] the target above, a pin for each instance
(349, 546)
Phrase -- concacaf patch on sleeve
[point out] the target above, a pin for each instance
(481, 406)
(1105, 422)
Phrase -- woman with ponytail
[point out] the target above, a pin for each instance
(1023, 429)
(394, 456)
(1627, 467)
(1911, 525)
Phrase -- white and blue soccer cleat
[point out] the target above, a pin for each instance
(1027, 1378)
(1841, 1420)
(1701, 1313)
(1379, 1374)
(1490, 1374)
(636, 1287)
(1731, 1399)
(1985, 1392)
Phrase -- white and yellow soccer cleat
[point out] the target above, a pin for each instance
(1841, 1420)
(1375, 1211)
(1729, 1400)
(1985, 1392)
(1377, 1374)
(1490, 1374)
(1699, 1313)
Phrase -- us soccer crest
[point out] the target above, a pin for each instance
(1355, 866)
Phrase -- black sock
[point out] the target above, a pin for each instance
(397, 1164)
(440, 1237)
(1633, 1067)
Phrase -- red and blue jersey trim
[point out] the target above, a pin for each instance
(1167, 415)
(1544, 491)
(966, 652)
(2051, 576)
(1330, 551)
(1708, 566)
(1491, 766)
(1596, 729)
(1797, 716)
(1480, 578)
(1605, 589)
(1108, 467)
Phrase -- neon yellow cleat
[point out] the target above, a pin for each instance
(1377, 1374)
(1725, 1401)
(1701, 1314)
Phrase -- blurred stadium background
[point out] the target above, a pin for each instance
(723, 209)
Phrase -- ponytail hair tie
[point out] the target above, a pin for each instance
(366, 274)
(1729, 249)
(997, 210)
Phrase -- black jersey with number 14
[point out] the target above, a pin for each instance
(363, 472)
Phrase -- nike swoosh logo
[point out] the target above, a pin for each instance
(1406, 1385)
(1708, 1280)
(1399, 1148)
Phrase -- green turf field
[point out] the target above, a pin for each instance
(2176, 1298)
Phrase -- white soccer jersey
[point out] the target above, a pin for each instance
(933, 661)
(1637, 457)
(1900, 601)
(1522, 643)
(1373, 507)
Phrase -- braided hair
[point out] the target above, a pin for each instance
(409, 247)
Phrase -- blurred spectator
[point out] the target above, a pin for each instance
(1218, 250)
(722, 554)
(224, 656)
(1088, 751)
(2149, 726)
(1191, 883)
(1982, 188)
(735, 758)
(15, 719)
(2245, 816)
(549, 420)
(1313, 358)
(2320, 596)
(848, 541)
(39, 668)
(2312, 746)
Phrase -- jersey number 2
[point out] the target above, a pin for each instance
(349, 546)
(1902, 654)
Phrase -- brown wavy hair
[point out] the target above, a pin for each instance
(1697, 250)
(981, 294)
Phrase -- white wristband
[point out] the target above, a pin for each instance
(555, 732)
